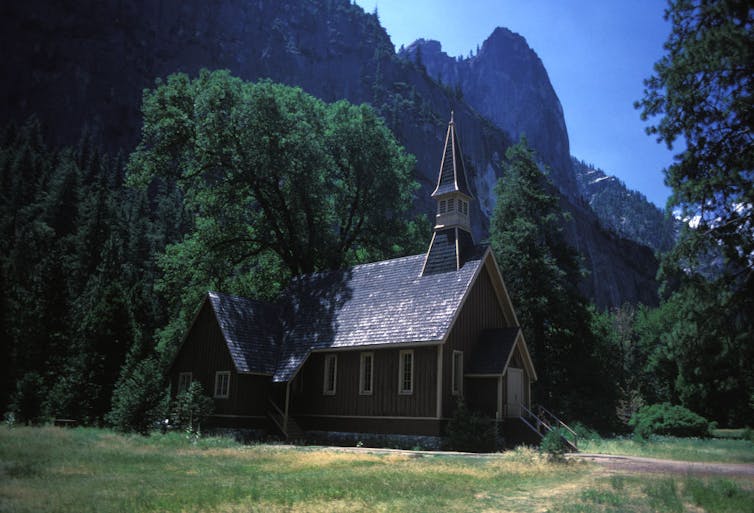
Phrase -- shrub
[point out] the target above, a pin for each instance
(584, 432)
(667, 419)
(191, 407)
(26, 403)
(470, 431)
(554, 444)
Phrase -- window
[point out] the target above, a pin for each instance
(184, 382)
(222, 384)
(406, 372)
(443, 206)
(331, 374)
(365, 373)
(451, 202)
(457, 372)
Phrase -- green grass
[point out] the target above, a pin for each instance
(622, 494)
(81, 470)
(686, 449)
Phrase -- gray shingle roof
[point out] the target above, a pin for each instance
(492, 350)
(381, 303)
(251, 329)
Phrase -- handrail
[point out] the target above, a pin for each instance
(556, 419)
(559, 422)
(277, 408)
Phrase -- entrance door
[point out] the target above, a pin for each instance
(515, 391)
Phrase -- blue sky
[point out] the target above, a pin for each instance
(597, 52)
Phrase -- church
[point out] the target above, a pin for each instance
(385, 348)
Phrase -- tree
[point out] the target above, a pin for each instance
(702, 93)
(541, 272)
(280, 183)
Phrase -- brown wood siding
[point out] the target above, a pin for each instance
(480, 311)
(384, 400)
(205, 352)
(481, 395)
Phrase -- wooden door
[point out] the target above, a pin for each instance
(515, 391)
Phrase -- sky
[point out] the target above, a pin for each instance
(596, 52)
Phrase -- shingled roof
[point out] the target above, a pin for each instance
(251, 330)
(383, 303)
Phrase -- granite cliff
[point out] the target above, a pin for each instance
(77, 64)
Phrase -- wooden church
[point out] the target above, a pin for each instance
(385, 348)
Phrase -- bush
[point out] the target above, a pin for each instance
(554, 444)
(471, 432)
(584, 432)
(667, 419)
(26, 403)
(190, 408)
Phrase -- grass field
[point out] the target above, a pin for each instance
(726, 450)
(80, 470)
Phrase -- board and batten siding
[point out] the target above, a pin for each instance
(308, 397)
(480, 311)
(204, 352)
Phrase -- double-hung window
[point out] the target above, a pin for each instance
(222, 384)
(366, 366)
(331, 374)
(406, 372)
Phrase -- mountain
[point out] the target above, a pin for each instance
(624, 211)
(507, 83)
(84, 64)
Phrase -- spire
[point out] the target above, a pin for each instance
(452, 176)
(452, 243)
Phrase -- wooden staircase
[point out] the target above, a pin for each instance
(544, 421)
(289, 428)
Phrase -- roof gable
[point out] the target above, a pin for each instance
(251, 330)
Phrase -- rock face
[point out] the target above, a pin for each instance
(626, 212)
(507, 83)
(77, 64)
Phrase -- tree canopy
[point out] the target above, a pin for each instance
(702, 95)
(270, 169)
(280, 184)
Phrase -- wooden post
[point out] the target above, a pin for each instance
(287, 400)
(439, 381)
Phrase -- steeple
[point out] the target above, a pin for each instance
(452, 242)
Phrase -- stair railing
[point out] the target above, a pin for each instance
(552, 419)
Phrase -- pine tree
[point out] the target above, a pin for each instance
(541, 273)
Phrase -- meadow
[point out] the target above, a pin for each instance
(48, 469)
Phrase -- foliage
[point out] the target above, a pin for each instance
(139, 399)
(667, 419)
(584, 432)
(701, 92)
(470, 431)
(78, 267)
(554, 444)
(280, 184)
(191, 408)
(542, 273)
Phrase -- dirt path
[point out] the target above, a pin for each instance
(639, 464)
